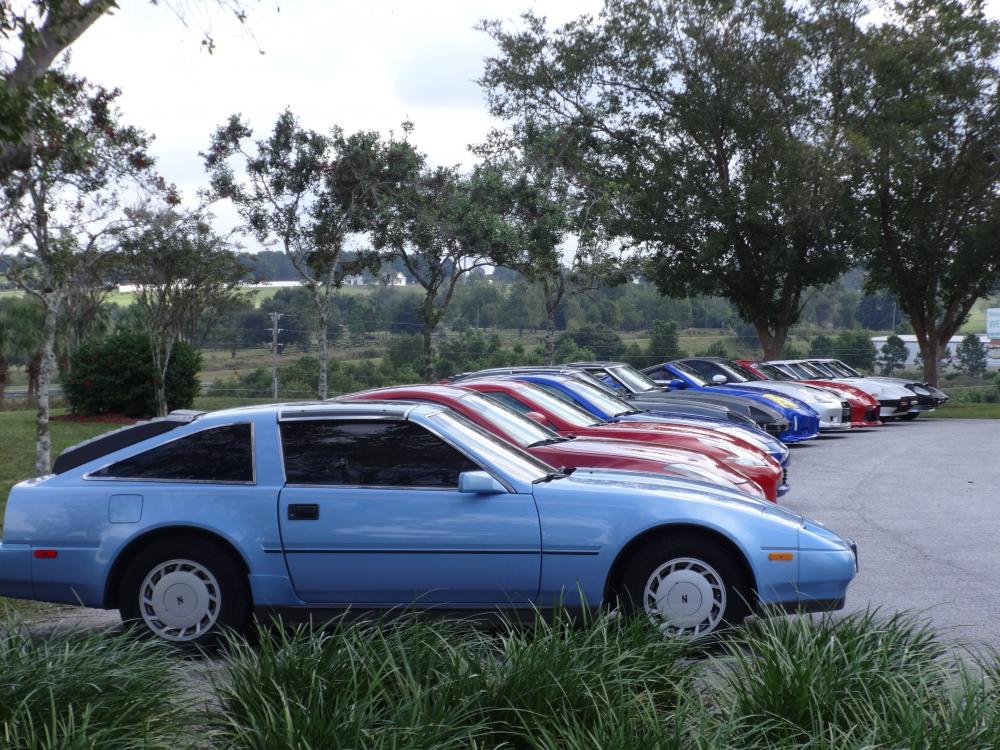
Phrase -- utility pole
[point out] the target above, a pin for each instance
(275, 317)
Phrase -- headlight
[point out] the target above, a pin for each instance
(781, 401)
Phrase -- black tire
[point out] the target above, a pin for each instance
(197, 560)
(909, 416)
(719, 562)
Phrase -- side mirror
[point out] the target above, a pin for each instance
(719, 379)
(479, 483)
(678, 384)
(538, 417)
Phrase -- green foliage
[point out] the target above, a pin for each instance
(445, 686)
(791, 352)
(972, 356)
(696, 86)
(821, 347)
(116, 374)
(892, 356)
(664, 345)
(851, 682)
(855, 348)
(598, 338)
(930, 176)
(100, 690)
(715, 349)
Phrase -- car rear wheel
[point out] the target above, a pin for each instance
(185, 591)
(687, 586)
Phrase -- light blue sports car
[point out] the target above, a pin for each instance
(191, 523)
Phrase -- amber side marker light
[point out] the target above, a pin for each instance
(46, 554)
(780, 556)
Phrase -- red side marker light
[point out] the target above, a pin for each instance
(46, 554)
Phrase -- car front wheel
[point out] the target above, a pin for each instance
(185, 591)
(687, 586)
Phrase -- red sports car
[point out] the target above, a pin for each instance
(567, 419)
(567, 452)
(864, 406)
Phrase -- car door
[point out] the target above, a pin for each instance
(371, 514)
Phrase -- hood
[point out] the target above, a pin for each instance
(633, 483)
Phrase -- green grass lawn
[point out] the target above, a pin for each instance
(966, 411)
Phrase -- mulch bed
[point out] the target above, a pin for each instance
(110, 418)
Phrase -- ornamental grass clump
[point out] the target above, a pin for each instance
(448, 685)
(858, 680)
(98, 690)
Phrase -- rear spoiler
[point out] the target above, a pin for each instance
(109, 442)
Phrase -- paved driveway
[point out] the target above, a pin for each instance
(922, 500)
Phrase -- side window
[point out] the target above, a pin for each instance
(372, 453)
(218, 454)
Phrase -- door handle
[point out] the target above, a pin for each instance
(303, 512)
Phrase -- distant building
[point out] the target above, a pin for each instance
(913, 349)
(355, 279)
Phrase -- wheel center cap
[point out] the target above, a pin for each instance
(683, 598)
(180, 600)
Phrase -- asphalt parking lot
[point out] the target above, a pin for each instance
(922, 500)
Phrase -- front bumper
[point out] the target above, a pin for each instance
(895, 407)
(834, 417)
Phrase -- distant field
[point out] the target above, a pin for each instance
(977, 318)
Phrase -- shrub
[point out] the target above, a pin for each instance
(116, 374)
(100, 690)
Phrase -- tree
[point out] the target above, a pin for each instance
(62, 211)
(821, 347)
(41, 30)
(553, 216)
(442, 225)
(855, 348)
(893, 355)
(306, 192)
(181, 270)
(718, 130)
(931, 173)
(972, 356)
(664, 345)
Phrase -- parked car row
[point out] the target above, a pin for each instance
(517, 490)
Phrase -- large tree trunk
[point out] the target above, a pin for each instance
(323, 344)
(930, 353)
(161, 363)
(46, 370)
(772, 342)
(430, 323)
(4, 371)
(550, 337)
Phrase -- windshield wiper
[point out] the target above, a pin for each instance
(549, 477)
(547, 441)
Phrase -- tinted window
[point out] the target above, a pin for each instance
(376, 453)
(219, 454)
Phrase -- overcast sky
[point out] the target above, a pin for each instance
(360, 64)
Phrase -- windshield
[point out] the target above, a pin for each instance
(851, 372)
(690, 374)
(738, 373)
(809, 371)
(608, 404)
(635, 380)
(521, 430)
(592, 380)
(569, 413)
(825, 368)
(489, 449)
(775, 373)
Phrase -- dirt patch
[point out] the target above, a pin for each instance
(110, 418)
